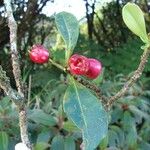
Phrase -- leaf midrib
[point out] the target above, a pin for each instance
(130, 13)
(68, 45)
(78, 98)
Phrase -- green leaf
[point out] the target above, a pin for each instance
(45, 136)
(129, 126)
(68, 27)
(144, 145)
(140, 113)
(113, 138)
(41, 146)
(104, 143)
(88, 114)
(57, 143)
(69, 143)
(134, 19)
(39, 116)
(120, 135)
(70, 126)
(3, 141)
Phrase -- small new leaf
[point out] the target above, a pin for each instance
(134, 19)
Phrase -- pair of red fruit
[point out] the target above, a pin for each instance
(78, 64)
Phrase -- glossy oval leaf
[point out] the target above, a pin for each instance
(41, 146)
(88, 114)
(70, 127)
(134, 19)
(40, 117)
(68, 27)
(45, 136)
(69, 143)
(58, 143)
(3, 141)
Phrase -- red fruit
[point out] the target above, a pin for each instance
(95, 68)
(78, 64)
(39, 54)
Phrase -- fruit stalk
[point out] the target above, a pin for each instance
(57, 65)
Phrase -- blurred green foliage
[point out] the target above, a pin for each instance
(48, 126)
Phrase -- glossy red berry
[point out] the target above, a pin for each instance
(78, 64)
(95, 68)
(39, 54)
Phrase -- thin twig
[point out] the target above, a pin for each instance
(11, 93)
(17, 73)
(13, 45)
(29, 89)
(137, 73)
(57, 65)
(92, 87)
(108, 101)
(82, 81)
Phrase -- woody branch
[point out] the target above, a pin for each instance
(16, 96)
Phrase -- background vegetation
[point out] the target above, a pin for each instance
(103, 36)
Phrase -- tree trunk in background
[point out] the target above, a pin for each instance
(119, 21)
(28, 20)
(28, 17)
(90, 18)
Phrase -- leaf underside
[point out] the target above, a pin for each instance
(134, 19)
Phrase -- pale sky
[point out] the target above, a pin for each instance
(76, 7)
